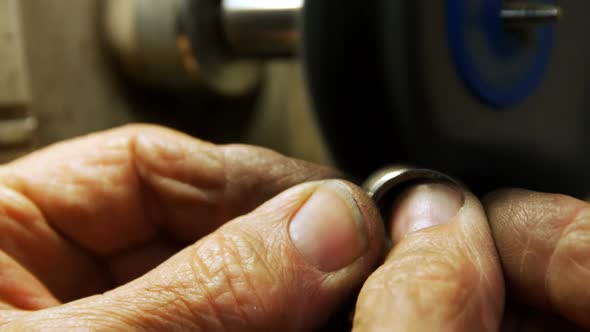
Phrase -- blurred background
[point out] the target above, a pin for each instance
(61, 77)
(493, 92)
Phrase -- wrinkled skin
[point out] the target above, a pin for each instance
(144, 228)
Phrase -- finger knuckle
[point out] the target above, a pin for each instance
(280, 171)
(232, 275)
(142, 127)
(568, 267)
(576, 236)
(572, 250)
(432, 280)
(521, 220)
(449, 278)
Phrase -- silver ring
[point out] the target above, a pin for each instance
(384, 181)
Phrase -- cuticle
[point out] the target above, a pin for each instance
(354, 204)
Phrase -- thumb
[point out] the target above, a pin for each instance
(443, 274)
(286, 266)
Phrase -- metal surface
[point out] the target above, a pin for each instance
(385, 184)
(500, 66)
(384, 181)
(520, 13)
(175, 44)
(344, 69)
(142, 35)
(537, 144)
(262, 27)
(205, 53)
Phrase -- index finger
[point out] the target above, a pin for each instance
(443, 273)
(544, 245)
(111, 191)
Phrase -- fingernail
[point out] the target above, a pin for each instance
(424, 206)
(328, 230)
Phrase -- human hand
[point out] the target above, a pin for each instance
(516, 261)
(101, 214)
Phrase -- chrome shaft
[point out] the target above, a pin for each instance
(270, 28)
(266, 28)
(523, 13)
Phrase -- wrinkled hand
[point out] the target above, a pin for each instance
(96, 214)
(173, 233)
(517, 261)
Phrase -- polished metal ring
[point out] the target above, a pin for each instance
(381, 184)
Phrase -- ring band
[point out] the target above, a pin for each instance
(381, 185)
